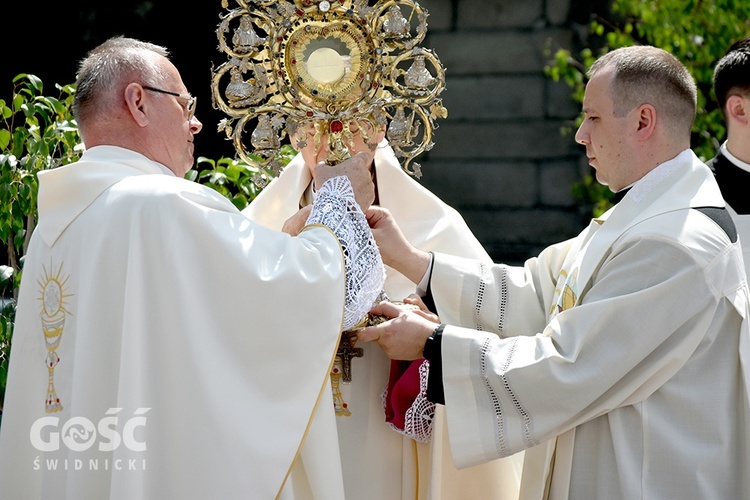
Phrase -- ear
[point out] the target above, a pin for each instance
(646, 121)
(136, 104)
(738, 109)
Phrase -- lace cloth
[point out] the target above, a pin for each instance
(407, 409)
(336, 208)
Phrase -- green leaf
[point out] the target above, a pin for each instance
(6, 275)
(217, 178)
(36, 82)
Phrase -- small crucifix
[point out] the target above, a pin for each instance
(346, 352)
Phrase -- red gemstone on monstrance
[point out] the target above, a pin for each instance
(336, 126)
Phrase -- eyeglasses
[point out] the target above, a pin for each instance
(190, 106)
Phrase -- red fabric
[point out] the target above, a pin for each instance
(403, 389)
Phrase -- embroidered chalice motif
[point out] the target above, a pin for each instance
(52, 296)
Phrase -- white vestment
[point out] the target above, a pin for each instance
(157, 351)
(627, 346)
(378, 462)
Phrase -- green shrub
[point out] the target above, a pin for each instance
(697, 32)
(37, 132)
(235, 179)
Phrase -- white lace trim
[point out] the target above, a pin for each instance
(336, 208)
(649, 181)
(418, 420)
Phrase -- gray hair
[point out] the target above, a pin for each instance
(108, 68)
(650, 75)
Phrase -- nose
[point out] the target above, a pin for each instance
(582, 137)
(195, 125)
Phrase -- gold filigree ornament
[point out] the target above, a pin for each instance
(328, 66)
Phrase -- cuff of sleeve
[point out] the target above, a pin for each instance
(424, 290)
(424, 285)
(433, 353)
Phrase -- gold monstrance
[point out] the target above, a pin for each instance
(323, 65)
(327, 63)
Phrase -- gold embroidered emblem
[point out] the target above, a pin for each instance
(568, 298)
(569, 295)
(53, 297)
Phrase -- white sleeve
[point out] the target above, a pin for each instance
(336, 208)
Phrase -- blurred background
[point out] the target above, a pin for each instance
(501, 157)
(49, 39)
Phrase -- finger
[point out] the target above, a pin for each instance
(374, 214)
(415, 300)
(369, 334)
(386, 308)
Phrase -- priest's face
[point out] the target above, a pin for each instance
(304, 142)
(607, 136)
(172, 124)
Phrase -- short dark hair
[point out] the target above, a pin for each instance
(732, 73)
(646, 74)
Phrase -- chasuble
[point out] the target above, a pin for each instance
(378, 461)
(158, 350)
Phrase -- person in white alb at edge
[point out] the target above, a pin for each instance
(353, 77)
(619, 359)
(410, 457)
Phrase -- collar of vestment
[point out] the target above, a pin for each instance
(66, 191)
(619, 195)
(680, 183)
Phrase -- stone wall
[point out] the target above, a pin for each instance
(500, 157)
